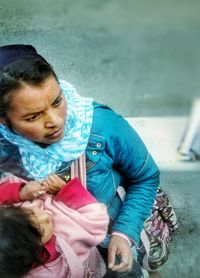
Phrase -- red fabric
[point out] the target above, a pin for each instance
(9, 193)
(50, 248)
(75, 195)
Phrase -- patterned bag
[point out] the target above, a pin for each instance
(159, 228)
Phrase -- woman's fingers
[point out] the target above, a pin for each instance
(111, 256)
(124, 262)
(120, 257)
(125, 265)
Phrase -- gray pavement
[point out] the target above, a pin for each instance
(180, 180)
(140, 57)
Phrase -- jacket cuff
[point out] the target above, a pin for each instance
(75, 195)
(130, 241)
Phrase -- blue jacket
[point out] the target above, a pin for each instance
(117, 156)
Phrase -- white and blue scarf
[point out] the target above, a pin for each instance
(41, 162)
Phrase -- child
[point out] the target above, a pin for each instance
(50, 236)
(45, 125)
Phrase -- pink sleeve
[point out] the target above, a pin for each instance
(9, 193)
(75, 195)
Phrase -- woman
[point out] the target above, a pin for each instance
(45, 125)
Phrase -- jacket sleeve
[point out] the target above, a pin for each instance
(139, 171)
(9, 193)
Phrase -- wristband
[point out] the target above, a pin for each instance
(130, 242)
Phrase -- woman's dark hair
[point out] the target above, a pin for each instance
(33, 70)
(20, 243)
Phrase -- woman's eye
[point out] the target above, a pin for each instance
(58, 101)
(33, 118)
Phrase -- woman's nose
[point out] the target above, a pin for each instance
(51, 119)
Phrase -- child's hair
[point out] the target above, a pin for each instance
(20, 243)
(30, 68)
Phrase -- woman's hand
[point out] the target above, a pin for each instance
(31, 190)
(120, 247)
(53, 183)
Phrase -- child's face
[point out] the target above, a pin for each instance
(38, 113)
(43, 222)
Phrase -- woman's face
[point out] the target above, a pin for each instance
(43, 222)
(38, 113)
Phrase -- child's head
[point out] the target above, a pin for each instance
(31, 101)
(21, 246)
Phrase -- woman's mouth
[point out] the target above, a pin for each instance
(55, 134)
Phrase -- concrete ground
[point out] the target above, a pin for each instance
(140, 57)
(181, 181)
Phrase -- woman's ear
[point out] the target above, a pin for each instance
(3, 121)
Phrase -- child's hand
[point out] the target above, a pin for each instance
(31, 190)
(53, 183)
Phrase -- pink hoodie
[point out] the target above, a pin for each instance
(80, 223)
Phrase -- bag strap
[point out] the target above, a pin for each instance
(78, 169)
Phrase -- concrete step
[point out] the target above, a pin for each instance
(181, 181)
(162, 136)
